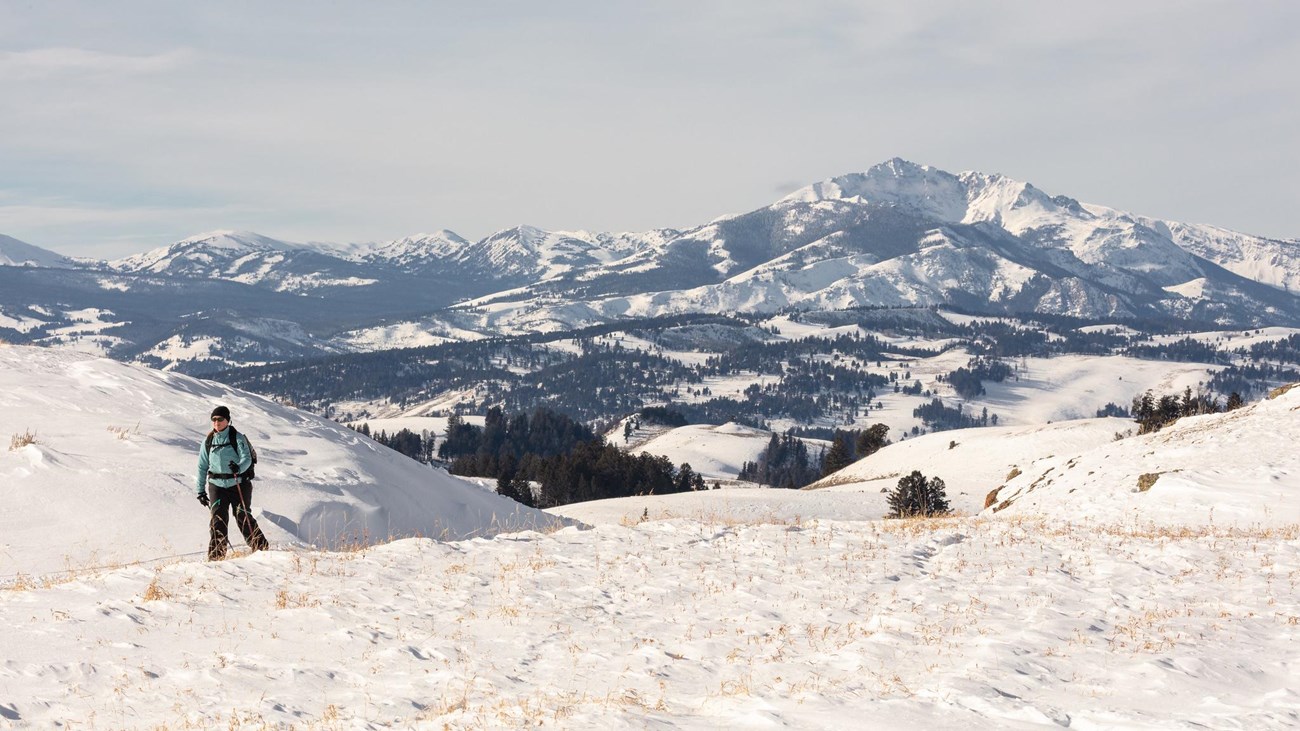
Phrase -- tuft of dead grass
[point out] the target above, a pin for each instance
(154, 591)
(125, 432)
(1146, 480)
(22, 440)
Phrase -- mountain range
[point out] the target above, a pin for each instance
(899, 234)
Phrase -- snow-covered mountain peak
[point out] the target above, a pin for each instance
(969, 197)
(897, 182)
(1013, 204)
(419, 248)
(202, 250)
(231, 239)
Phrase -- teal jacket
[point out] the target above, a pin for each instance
(217, 462)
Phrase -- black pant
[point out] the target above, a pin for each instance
(240, 498)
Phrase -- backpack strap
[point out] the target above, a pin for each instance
(234, 440)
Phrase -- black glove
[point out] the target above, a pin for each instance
(203, 499)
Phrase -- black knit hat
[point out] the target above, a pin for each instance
(222, 412)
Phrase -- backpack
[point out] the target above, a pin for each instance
(248, 474)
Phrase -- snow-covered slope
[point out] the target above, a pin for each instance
(418, 254)
(250, 258)
(17, 253)
(1237, 468)
(1083, 604)
(1271, 261)
(712, 451)
(110, 474)
(971, 462)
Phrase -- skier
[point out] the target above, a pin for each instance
(225, 459)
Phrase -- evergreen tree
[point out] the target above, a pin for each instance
(872, 440)
(685, 481)
(839, 456)
(917, 496)
(506, 488)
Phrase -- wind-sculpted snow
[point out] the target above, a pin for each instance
(712, 623)
(109, 473)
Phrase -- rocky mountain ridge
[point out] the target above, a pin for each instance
(898, 234)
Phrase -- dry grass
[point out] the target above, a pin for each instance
(1281, 390)
(154, 591)
(125, 432)
(22, 440)
(1146, 480)
(922, 631)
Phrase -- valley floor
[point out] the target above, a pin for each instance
(970, 622)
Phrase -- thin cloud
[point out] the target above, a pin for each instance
(65, 62)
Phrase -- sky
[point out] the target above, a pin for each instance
(129, 125)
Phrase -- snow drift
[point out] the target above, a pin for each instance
(103, 459)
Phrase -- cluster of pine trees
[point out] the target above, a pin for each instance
(547, 459)
(786, 462)
(969, 380)
(416, 446)
(593, 471)
(1251, 378)
(938, 417)
(1186, 350)
(850, 445)
(501, 443)
(1153, 414)
(1286, 350)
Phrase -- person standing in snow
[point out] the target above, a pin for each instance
(222, 464)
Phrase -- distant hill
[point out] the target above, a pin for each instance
(17, 253)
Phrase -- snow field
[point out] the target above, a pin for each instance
(975, 622)
(109, 476)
